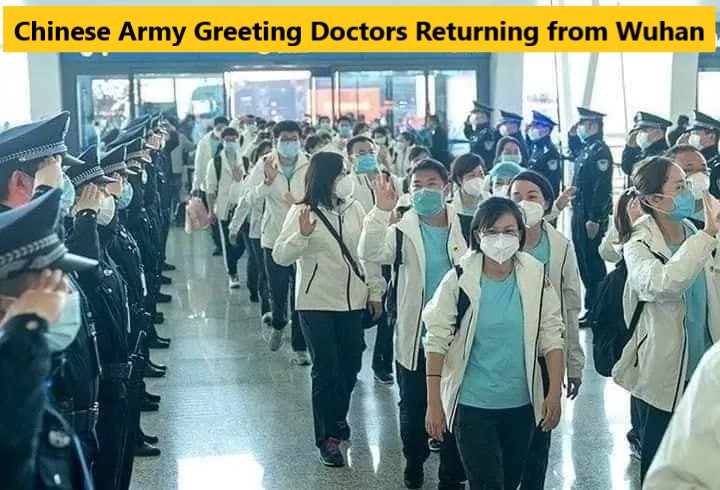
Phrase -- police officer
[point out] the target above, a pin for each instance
(38, 319)
(703, 135)
(481, 136)
(647, 138)
(544, 155)
(94, 213)
(593, 199)
(509, 125)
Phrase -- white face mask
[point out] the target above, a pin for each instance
(504, 130)
(345, 187)
(694, 140)
(533, 212)
(643, 140)
(64, 331)
(473, 187)
(501, 247)
(107, 211)
(501, 190)
(698, 184)
(534, 134)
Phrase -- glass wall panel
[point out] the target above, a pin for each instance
(450, 94)
(708, 90)
(103, 105)
(14, 89)
(363, 93)
(322, 98)
(272, 94)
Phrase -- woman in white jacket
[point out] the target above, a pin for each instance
(321, 234)
(468, 176)
(672, 270)
(484, 380)
(533, 193)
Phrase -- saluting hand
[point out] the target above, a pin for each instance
(711, 216)
(385, 195)
(90, 199)
(45, 298)
(306, 221)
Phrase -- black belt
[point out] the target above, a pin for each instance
(85, 420)
(120, 371)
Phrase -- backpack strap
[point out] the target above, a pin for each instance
(343, 248)
(463, 303)
(641, 304)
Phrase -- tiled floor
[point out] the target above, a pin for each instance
(236, 416)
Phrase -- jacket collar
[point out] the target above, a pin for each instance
(472, 267)
(409, 224)
(647, 230)
(301, 162)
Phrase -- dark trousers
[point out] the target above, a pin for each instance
(214, 228)
(116, 435)
(232, 253)
(282, 281)
(655, 423)
(335, 342)
(413, 405)
(257, 280)
(493, 445)
(634, 436)
(383, 352)
(537, 459)
(591, 265)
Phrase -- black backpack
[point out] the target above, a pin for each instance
(607, 320)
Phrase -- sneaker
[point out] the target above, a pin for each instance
(275, 340)
(267, 318)
(343, 430)
(301, 359)
(330, 454)
(233, 282)
(383, 377)
(414, 475)
(434, 445)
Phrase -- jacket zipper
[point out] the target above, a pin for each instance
(370, 188)
(312, 277)
(637, 350)
(537, 339)
(347, 283)
(682, 361)
(418, 329)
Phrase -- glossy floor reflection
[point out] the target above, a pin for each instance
(236, 416)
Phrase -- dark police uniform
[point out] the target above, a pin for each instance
(107, 294)
(482, 138)
(592, 203)
(703, 122)
(633, 154)
(38, 447)
(511, 117)
(544, 156)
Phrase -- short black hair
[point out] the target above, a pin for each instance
(324, 168)
(463, 165)
(360, 127)
(487, 214)
(408, 136)
(539, 180)
(418, 150)
(324, 118)
(343, 119)
(355, 140)
(381, 130)
(265, 146)
(312, 142)
(432, 165)
(286, 127)
(221, 120)
(229, 132)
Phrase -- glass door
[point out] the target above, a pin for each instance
(450, 94)
(103, 105)
(275, 95)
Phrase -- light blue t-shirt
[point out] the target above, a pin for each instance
(699, 340)
(542, 250)
(495, 375)
(288, 170)
(437, 262)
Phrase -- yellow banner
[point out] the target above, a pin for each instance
(359, 29)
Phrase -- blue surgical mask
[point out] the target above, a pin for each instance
(288, 149)
(428, 202)
(684, 206)
(325, 126)
(231, 145)
(68, 195)
(125, 197)
(344, 131)
(63, 332)
(367, 163)
(511, 158)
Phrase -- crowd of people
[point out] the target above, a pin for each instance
(456, 261)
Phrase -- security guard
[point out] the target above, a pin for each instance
(704, 135)
(107, 294)
(39, 447)
(592, 204)
(648, 138)
(481, 136)
(509, 125)
(544, 155)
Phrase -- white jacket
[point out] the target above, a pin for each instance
(203, 154)
(228, 190)
(610, 249)
(654, 362)
(276, 207)
(689, 454)
(248, 207)
(365, 189)
(543, 325)
(325, 280)
(563, 274)
(377, 245)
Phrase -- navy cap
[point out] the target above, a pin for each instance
(478, 107)
(704, 122)
(589, 115)
(114, 160)
(68, 160)
(90, 172)
(127, 136)
(650, 121)
(542, 120)
(136, 122)
(30, 242)
(34, 140)
(135, 150)
(510, 117)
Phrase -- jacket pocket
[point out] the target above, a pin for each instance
(637, 351)
(312, 278)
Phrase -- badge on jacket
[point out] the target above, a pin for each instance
(553, 165)
(603, 164)
(489, 145)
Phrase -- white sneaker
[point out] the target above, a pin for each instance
(234, 282)
(267, 318)
(275, 340)
(301, 359)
